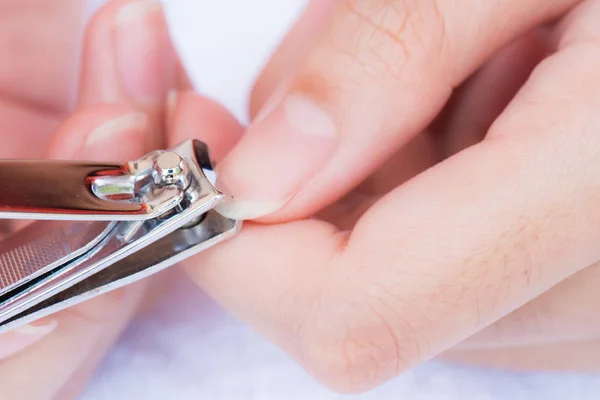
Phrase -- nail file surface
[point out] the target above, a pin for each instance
(42, 246)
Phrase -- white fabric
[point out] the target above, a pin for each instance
(191, 349)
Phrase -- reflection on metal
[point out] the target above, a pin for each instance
(101, 226)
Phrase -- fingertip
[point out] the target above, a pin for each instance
(107, 132)
(280, 153)
(239, 209)
(128, 55)
(98, 58)
(191, 115)
(19, 339)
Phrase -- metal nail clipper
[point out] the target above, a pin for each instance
(100, 226)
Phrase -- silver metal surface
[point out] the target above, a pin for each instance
(171, 169)
(82, 191)
(42, 246)
(119, 188)
(38, 189)
(169, 250)
(51, 265)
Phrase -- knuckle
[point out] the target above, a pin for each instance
(349, 364)
(354, 345)
(389, 35)
(369, 50)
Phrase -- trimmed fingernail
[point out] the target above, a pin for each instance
(146, 58)
(242, 209)
(20, 338)
(281, 151)
(116, 136)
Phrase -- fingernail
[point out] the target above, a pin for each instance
(280, 152)
(146, 58)
(20, 338)
(119, 137)
(171, 105)
(172, 99)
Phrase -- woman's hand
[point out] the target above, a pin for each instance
(471, 186)
(115, 113)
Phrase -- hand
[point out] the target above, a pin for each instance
(115, 113)
(452, 192)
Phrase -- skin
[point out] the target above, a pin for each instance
(459, 221)
(439, 163)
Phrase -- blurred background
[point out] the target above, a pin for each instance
(188, 348)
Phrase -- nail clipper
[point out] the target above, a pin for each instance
(100, 226)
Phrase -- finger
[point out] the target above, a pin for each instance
(194, 116)
(114, 132)
(415, 157)
(565, 313)
(79, 380)
(475, 105)
(39, 46)
(131, 59)
(41, 371)
(21, 125)
(445, 255)
(581, 356)
(377, 76)
(290, 51)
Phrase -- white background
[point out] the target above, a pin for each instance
(190, 349)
